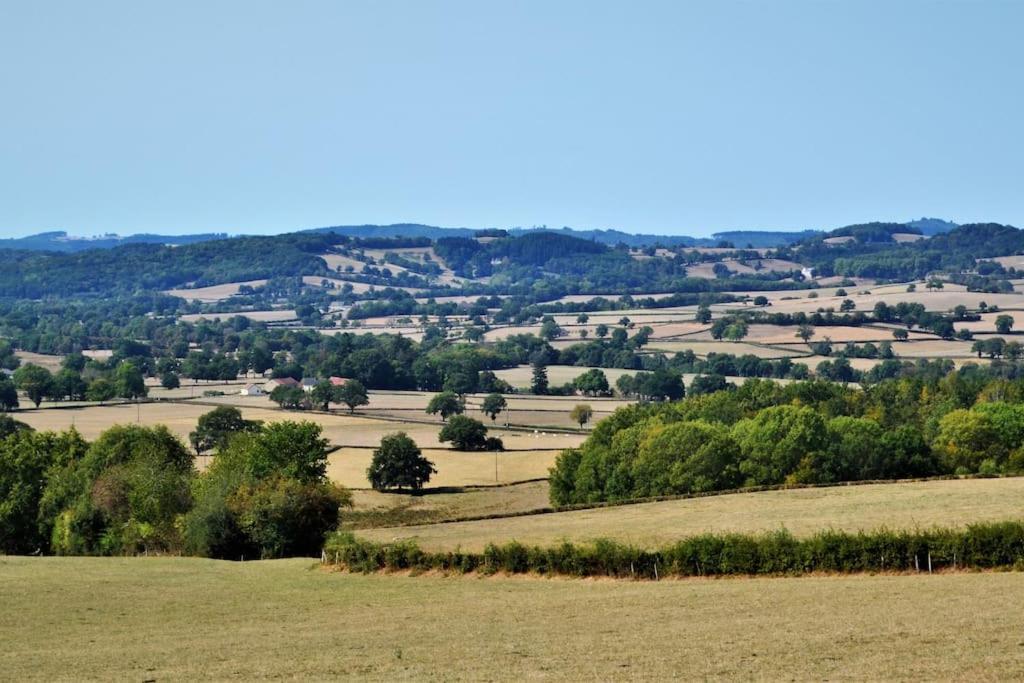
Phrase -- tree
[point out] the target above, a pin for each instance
(736, 330)
(965, 439)
(8, 395)
(492, 405)
(216, 427)
(703, 314)
(465, 434)
(101, 390)
(601, 331)
(446, 403)
(539, 382)
(707, 384)
(582, 318)
(760, 301)
(549, 329)
(353, 394)
(288, 397)
(399, 464)
(847, 305)
(1004, 323)
(776, 440)
(805, 332)
(169, 380)
(35, 381)
(581, 414)
(900, 334)
(322, 394)
(129, 382)
(593, 382)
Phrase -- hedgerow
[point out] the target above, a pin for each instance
(997, 545)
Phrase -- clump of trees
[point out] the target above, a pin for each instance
(135, 490)
(763, 434)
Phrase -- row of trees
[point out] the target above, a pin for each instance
(806, 432)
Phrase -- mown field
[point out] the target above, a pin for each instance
(179, 618)
(948, 503)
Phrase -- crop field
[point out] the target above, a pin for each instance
(213, 293)
(947, 503)
(178, 618)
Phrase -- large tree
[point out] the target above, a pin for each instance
(35, 381)
(446, 404)
(399, 464)
(492, 405)
(352, 393)
(465, 434)
(216, 427)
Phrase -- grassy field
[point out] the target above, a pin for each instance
(801, 511)
(176, 618)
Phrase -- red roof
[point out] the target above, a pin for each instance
(338, 381)
(285, 381)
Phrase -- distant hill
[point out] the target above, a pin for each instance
(60, 241)
(932, 226)
(756, 238)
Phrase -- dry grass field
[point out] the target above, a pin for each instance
(213, 293)
(180, 618)
(347, 466)
(801, 511)
(257, 316)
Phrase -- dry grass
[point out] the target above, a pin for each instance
(214, 292)
(259, 316)
(374, 508)
(43, 360)
(802, 511)
(176, 618)
(347, 466)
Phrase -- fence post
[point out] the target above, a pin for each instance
(656, 571)
(917, 567)
(929, 562)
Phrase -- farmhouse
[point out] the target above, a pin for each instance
(308, 383)
(280, 382)
(252, 390)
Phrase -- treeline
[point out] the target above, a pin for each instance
(762, 433)
(997, 545)
(135, 490)
(142, 267)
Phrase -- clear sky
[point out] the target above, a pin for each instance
(670, 117)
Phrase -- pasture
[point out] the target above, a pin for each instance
(180, 618)
(948, 503)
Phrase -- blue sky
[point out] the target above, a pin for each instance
(665, 117)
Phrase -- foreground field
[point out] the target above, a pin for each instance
(153, 619)
(802, 511)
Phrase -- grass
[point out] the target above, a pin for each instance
(949, 503)
(160, 618)
(375, 509)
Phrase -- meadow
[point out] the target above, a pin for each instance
(181, 618)
(925, 504)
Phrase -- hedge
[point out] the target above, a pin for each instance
(998, 545)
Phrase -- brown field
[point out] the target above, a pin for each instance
(51, 363)
(181, 618)
(802, 511)
(257, 316)
(213, 293)
(522, 376)
(374, 508)
(706, 270)
(347, 466)
(703, 348)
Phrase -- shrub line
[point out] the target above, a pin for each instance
(997, 545)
